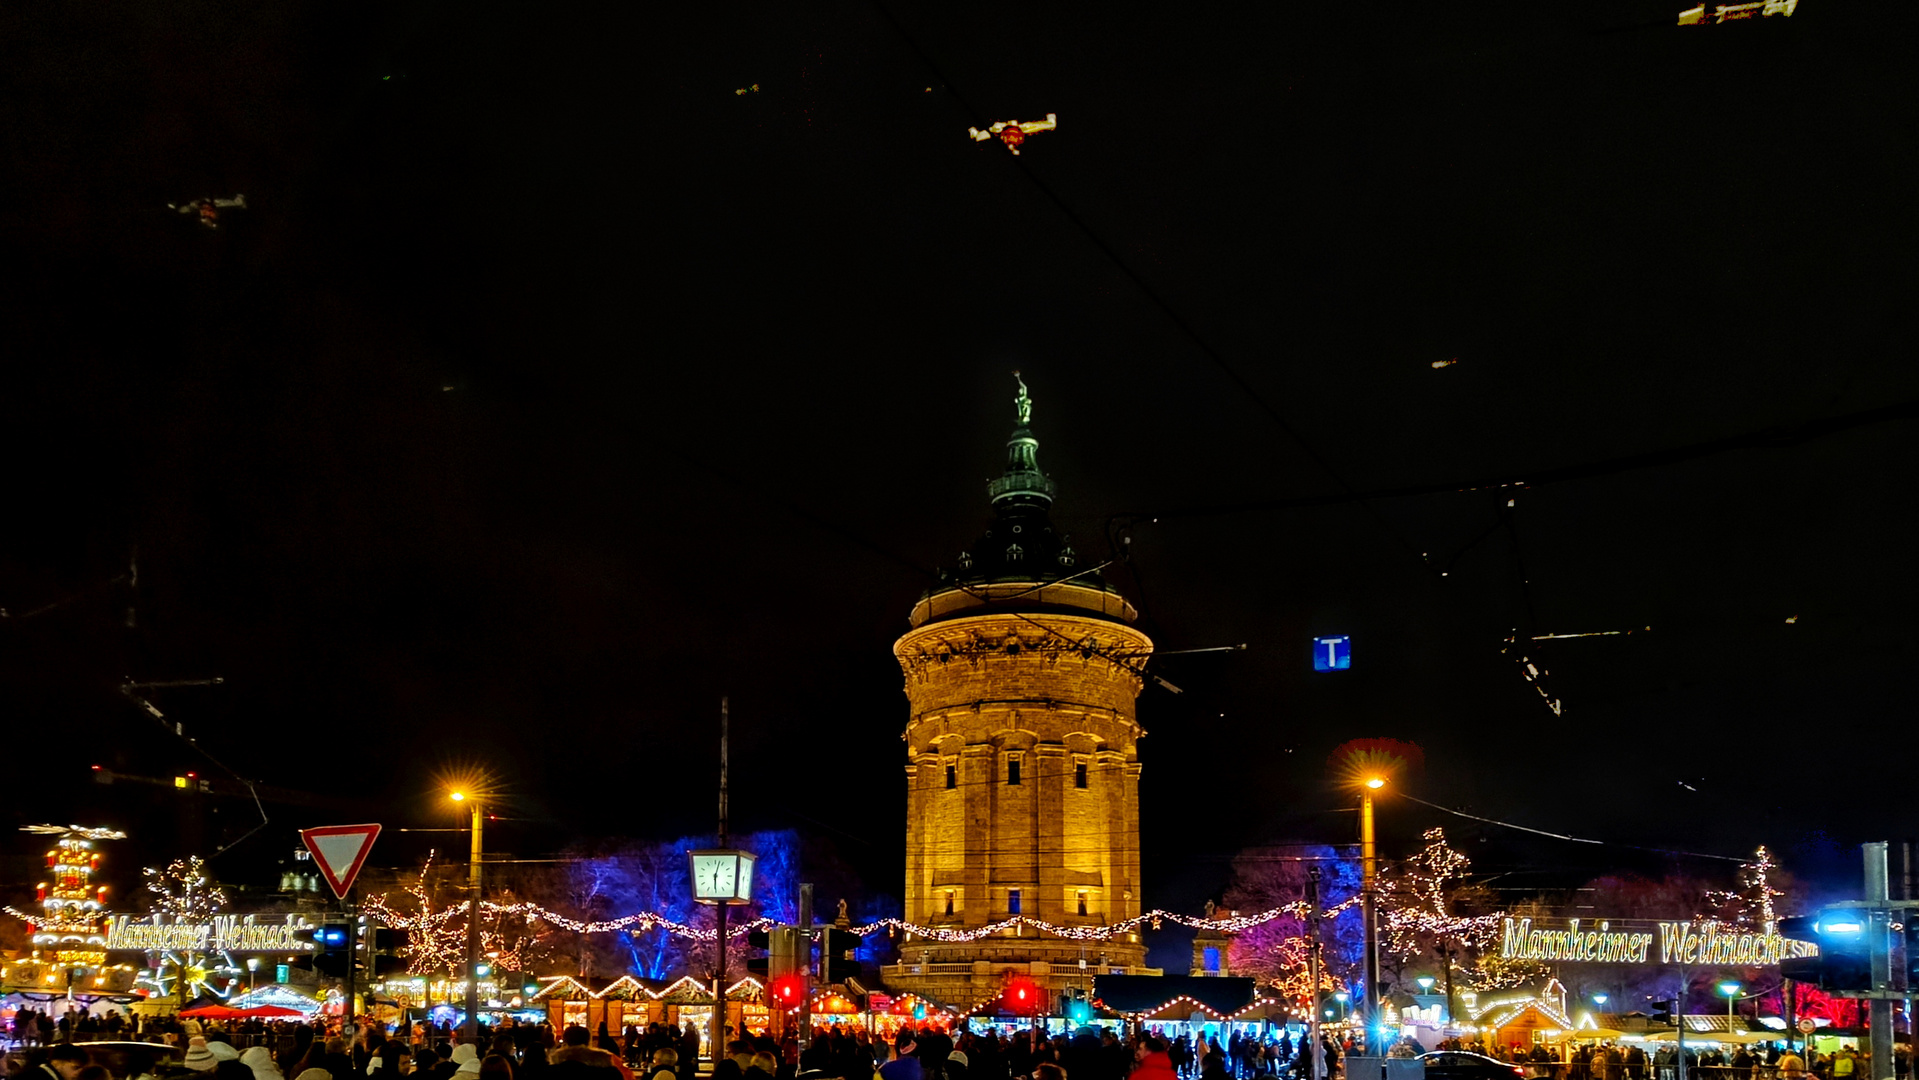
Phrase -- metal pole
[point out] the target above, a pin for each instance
(1448, 954)
(719, 978)
(1369, 871)
(806, 964)
(1679, 1021)
(352, 957)
(1878, 924)
(1315, 1066)
(475, 879)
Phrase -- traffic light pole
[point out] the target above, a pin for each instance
(1878, 924)
(806, 965)
(352, 957)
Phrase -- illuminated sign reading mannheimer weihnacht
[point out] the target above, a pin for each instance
(223, 933)
(1596, 942)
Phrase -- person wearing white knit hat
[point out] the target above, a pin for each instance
(467, 1057)
(199, 1058)
(260, 1060)
(223, 1050)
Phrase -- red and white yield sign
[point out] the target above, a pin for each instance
(340, 851)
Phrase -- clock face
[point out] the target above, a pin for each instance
(713, 876)
(722, 875)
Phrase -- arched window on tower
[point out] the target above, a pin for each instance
(949, 901)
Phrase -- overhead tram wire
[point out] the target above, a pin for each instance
(1563, 836)
(1179, 321)
(1764, 438)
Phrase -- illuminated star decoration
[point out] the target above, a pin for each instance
(1014, 132)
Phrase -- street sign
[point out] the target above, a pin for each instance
(340, 851)
(879, 1003)
(1333, 653)
(1807, 1027)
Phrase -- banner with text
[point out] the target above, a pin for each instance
(1623, 941)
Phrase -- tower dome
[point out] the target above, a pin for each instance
(1021, 556)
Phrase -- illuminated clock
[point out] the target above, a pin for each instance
(721, 877)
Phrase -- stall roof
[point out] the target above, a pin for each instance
(1139, 994)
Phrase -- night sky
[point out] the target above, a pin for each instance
(548, 389)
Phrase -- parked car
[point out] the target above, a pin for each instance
(1461, 1065)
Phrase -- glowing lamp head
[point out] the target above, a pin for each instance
(1376, 782)
(1729, 988)
(1599, 999)
(1425, 982)
(457, 796)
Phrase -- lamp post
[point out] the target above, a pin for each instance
(1369, 875)
(471, 1028)
(1731, 990)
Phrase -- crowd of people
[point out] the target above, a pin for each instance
(257, 1050)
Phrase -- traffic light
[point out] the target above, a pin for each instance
(1662, 1013)
(836, 947)
(389, 947)
(1911, 918)
(330, 948)
(1845, 949)
(1077, 1009)
(758, 963)
(788, 991)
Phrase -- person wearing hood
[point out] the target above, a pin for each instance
(465, 1061)
(260, 1060)
(222, 1051)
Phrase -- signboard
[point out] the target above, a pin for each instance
(223, 933)
(340, 851)
(879, 1003)
(1598, 942)
(1806, 1026)
(1333, 653)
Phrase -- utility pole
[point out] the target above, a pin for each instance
(1878, 926)
(1312, 970)
(1679, 1021)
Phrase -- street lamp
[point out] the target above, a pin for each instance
(1731, 990)
(471, 1029)
(1425, 983)
(1369, 871)
(253, 972)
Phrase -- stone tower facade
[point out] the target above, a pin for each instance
(1022, 757)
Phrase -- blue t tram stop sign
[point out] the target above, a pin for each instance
(1333, 653)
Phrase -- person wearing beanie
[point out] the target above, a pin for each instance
(260, 1060)
(466, 1060)
(222, 1051)
(199, 1057)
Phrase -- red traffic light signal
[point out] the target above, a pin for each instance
(789, 991)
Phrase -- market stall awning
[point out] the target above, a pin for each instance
(215, 1012)
(1142, 994)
